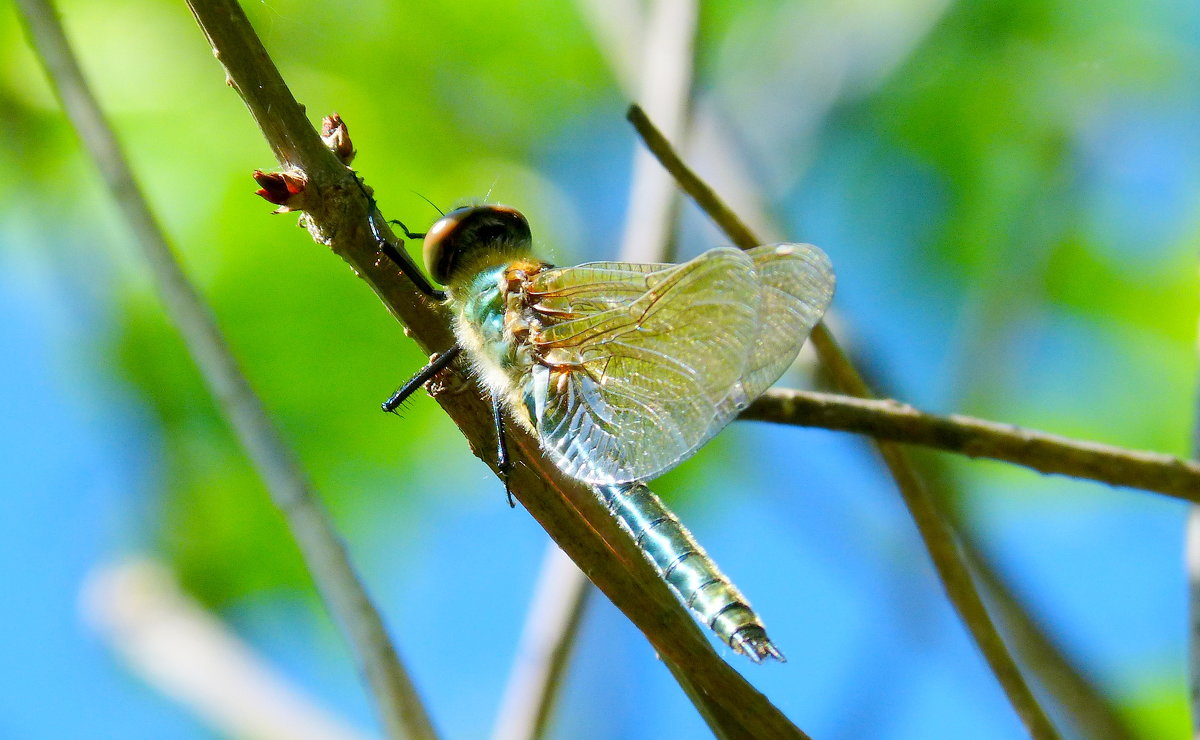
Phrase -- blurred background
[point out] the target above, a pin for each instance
(1008, 190)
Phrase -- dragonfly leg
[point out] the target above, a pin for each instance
(400, 259)
(421, 378)
(407, 234)
(503, 463)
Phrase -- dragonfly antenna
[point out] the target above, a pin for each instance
(430, 202)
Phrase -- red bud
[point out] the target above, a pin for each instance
(284, 189)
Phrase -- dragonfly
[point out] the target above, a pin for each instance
(623, 370)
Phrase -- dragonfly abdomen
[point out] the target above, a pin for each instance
(688, 570)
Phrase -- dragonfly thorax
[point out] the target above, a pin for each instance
(496, 325)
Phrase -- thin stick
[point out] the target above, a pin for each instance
(174, 644)
(1192, 559)
(551, 626)
(336, 215)
(699, 191)
(935, 531)
(666, 83)
(1086, 708)
(1046, 453)
(327, 560)
(1192, 551)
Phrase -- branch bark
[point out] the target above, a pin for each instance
(336, 215)
(1046, 453)
(935, 531)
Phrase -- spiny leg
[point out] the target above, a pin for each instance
(421, 378)
(407, 234)
(503, 463)
(400, 259)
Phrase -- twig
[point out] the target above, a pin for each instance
(1192, 558)
(935, 531)
(290, 490)
(699, 191)
(1079, 700)
(1086, 707)
(1192, 551)
(190, 655)
(1046, 453)
(666, 82)
(336, 214)
(551, 626)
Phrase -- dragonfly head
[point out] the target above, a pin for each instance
(467, 235)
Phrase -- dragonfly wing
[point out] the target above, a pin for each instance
(797, 286)
(643, 362)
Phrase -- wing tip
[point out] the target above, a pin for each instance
(818, 265)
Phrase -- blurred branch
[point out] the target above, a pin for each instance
(188, 654)
(1046, 453)
(1192, 559)
(551, 628)
(1088, 711)
(290, 490)
(618, 27)
(936, 532)
(1192, 555)
(666, 82)
(689, 181)
(1080, 700)
(336, 215)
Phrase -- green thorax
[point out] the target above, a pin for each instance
(480, 297)
(482, 303)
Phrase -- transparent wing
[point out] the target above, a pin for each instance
(797, 286)
(644, 361)
(648, 362)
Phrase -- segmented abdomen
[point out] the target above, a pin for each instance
(686, 568)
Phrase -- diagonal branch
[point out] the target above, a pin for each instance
(336, 215)
(936, 532)
(1046, 453)
(344, 595)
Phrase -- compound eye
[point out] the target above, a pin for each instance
(467, 231)
(439, 243)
